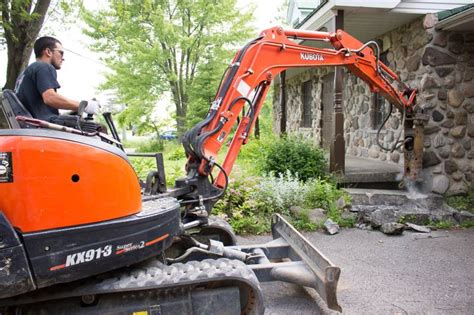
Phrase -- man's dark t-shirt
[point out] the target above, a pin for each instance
(30, 85)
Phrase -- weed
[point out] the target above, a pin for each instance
(442, 224)
(467, 224)
(465, 202)
(304, 223)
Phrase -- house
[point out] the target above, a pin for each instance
(430, 45)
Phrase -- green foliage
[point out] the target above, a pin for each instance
(152, 146)
(173, 155)
(279, 193)
(442, 224)
(243, 212)
(21, 23)
(176, 154)
(411, 218)
(250, 205)
(297, 155)
(323, 193)
(304, 223)
(143, 166)
(467, 224)
(158, 46)
(465, 202)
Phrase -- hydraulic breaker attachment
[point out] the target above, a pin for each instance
(290, 257)
(414, 139)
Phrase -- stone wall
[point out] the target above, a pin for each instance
(441, 66)
(295, 104)
(360, 137)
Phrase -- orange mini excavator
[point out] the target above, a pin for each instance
(79, 233)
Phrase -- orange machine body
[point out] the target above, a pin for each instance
(62, 180)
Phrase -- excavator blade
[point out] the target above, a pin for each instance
(325, 273)
(290, 257)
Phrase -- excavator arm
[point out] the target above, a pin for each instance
(247, 81)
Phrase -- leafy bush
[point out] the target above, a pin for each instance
(242, 211)
(143, 166)
(296, 155)
(249, 206)
(279, 193)
(154, 145)
(177, 153)
(254, 147)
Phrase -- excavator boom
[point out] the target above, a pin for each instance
(248, 79)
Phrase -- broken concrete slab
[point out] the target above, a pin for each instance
(418, 228)
(383, 206)
(392, 228)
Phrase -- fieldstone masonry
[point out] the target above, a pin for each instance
(441, 66)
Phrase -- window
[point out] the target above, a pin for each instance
(307, 115)
(380, 106)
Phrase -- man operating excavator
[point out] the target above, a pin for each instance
(37, 86)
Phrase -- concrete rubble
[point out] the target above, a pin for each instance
(331, 227)
(392, 211)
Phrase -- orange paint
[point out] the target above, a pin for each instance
(156, 240)
(60, 183)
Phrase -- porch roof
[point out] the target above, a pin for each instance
(369, 19)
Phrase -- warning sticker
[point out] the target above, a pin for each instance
(6, 167)
(243, 88)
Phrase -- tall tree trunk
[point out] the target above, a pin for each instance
(257, 128)
(18, 56)
(21, 31)
(181, 107)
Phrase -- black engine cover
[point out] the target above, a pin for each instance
(68, 254)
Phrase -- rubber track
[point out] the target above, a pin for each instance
(155, 275)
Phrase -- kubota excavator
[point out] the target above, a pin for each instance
(80, 235)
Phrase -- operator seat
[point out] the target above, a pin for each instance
(10, 107)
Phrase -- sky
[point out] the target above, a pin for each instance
(82, 71)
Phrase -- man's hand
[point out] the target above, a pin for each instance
(92, 107)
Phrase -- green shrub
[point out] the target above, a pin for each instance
(303, 222)
(279, 193)
(297, 155)
(323, 193)
(254, 148)
(153, 146)
(177, 153)
(143, 166)
(249, 205)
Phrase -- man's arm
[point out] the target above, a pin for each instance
(55, 100)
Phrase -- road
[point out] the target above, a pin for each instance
(410, 274)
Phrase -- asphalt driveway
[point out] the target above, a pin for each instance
(410, 274)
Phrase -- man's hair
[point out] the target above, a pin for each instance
(43, 43)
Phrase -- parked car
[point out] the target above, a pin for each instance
(169, 135)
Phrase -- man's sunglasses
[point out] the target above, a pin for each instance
(60, 51)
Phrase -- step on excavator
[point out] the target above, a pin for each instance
(81, 234)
